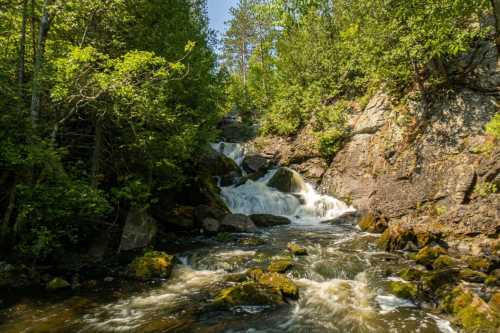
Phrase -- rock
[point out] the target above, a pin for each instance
(478, 263)
(470, 312)
(182, 217)
(374, 116)
(428, 254)
(230, 179)
(433, 280)
(255, 163)
(444, 261)
(215, 163)
(254, 273)
(268, 220)
(410, 274)
(280, 282)
(470, 275)
(404, 290)
(237, 223)
(211, 225)
(347, 217)
(286, 180)
(140, 229)
(153, 264)
(280, 266)
(248, 293)
(494, 302)
(396, 238)
(210, 193)
(202, 212)
(58, 284)
(297, 249)
(371, 224)
(252, 241)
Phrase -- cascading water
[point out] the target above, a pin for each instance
(343, 280)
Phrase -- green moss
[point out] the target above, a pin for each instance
(494, 302)
(396, 238)
(491, 281)
(280, 266)
(255, 273)
(410, 274)
(280, 282)
(433, 280)
(248, 293)
(428, 254)
(57, 284)
(444, 261)
(224, 237)
(252, 241)
(470, 275)
(404, 290)
(369, 223)
(297, 249)
(478, 263)
(153, 264)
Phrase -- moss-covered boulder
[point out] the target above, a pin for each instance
(254, 273)
(280, 265)
(370, 223)
(494, 302)
(248, 293)
(268, 220)
(444, 261)
(153, 264)
(404, 290)
(280, 282)
(470, 275)
(410, 274)
(58, 284)
(429, 254)
(434, 280)
(396, 238)
(478, 263)
(286, 180)
(296, 249)
(425, 237)
(470, 312)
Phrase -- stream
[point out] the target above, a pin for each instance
(344, 279)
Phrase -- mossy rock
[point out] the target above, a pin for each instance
(280, 266)
(434, 280)
(248, 293)
(410, 274)
(470, 275)
(444, 261)
(425, 238)
(470, 312)
(478, 263)
(492, 281)
(396, 238)
(280, 282)
(494, 302)
(428, 254)
(296, 249)
(404, 290)
(224, 237)
(369, 223)
(252, 241)
(255, 273)
(153, 264)
(58, 284)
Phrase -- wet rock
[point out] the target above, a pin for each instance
(280, 266)
(404, 290)
(254, 273)
(153, 264)
(280, 282)
(347, 217)
(202, 212)
(428, 254)
(371, 224)
(470, 312)
(445, 261)
(139, 230)
(256, 163)
(211, 225)
(470, 275)
(494, 302)
(433, 280)
(286, 180)
(296, 249)
(210, 193)
(182, 217)
(248, 293)
(58, 284)
(268, 220)
(478, 263)
(215, 163)
(396, 238)
(252, 241)
(237, 223)
(410, 274)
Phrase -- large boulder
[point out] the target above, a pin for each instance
(248, 293)
(237, 223)
(268, 220)
(286, 180)
(211, 225)
(255, 163)
(202, 212)
(139, 231)
(152, 265)
(215, 163)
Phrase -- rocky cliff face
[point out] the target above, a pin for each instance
(415, 165)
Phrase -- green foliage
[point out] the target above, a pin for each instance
(484, 189)
(493, 127)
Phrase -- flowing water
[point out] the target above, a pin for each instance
(343, 281)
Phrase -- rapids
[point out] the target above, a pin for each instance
(343, 281)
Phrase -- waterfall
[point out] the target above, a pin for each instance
(255, 197)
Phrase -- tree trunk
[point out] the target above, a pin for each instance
(22, 52)
(33, 29)
(8, 212)
(496, 12)
(96, 155)
(42, 38)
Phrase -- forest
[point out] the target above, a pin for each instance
(109, 109)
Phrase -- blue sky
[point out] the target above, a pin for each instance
(218, 12)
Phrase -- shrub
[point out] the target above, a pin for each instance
(493, 127)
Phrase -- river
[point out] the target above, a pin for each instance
(344, 279)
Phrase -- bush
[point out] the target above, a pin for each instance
(493, 127)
